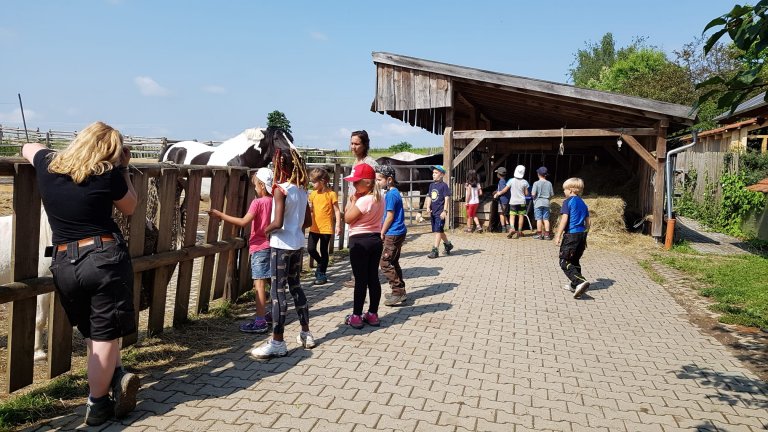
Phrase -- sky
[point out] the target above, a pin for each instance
(207, 70)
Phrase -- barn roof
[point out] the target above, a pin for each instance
(761, 186)
(420, 91)
(748, 108)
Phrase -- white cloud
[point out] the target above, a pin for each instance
(318, 36)
(14, 116)
(149, 87)
(214, 89)
(399, 129)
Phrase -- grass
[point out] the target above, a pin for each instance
(652, 273)
(44, 402)
(737, 284)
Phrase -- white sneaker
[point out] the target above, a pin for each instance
(568, 287)
(305, 339)
(270, 349)
(580, 289)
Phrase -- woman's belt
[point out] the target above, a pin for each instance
(86, 242)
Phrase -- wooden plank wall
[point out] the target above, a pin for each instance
(415, 97)
(709, 166)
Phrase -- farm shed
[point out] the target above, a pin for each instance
(491, 119)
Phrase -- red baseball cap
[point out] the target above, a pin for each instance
(361, 172)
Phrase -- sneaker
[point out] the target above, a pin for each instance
(568, 287)
(546, 236)
(394, 299)
(97, 413)
(434, 253)
(125, 386)
(580, 289)
(349, 284)
(510, 234)
(268, 316)
(448, 248)
(255, 326)
(320, 280)
(270, 349)
(371, 319)
(468, 230)
(479, 231)
(538, 235)
(354, 321)
(305, 339)
(518, 234)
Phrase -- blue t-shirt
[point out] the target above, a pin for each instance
(577, 212)
(437, 193)
(394, 204)
(503, 198)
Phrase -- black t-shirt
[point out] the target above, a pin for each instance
(77, 211)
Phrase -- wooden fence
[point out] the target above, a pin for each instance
(708, 168)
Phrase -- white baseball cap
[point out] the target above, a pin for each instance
(265, 175)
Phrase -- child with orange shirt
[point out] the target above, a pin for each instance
(324, 204)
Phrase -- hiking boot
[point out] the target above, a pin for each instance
(448, 247)
(580, 289)
(371, 319)
(538, 235)
(434, 254)
(394, 299)
(125, 385)
(305, 339)
(270, 349)
(354, 321)
(255, 326)
(97, 413)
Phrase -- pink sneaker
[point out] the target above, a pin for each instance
(371, 319)
(354, 321)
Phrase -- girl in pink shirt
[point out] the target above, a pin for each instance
(258, 215)
(365, 245)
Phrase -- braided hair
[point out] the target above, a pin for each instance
(290, 167)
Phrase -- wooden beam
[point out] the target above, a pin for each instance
(466, 151)
(658, 185)
(641, 151)
(552, 133)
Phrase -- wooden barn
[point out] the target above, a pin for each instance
(490, 119)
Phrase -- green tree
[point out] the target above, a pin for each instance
(278, 119)
(589, 62)
(747, 27)
(400, 147)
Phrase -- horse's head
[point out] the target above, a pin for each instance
(261, 146)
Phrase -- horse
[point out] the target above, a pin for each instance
(422, 175)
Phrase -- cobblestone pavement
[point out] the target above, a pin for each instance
(705, 241)
(488, 342)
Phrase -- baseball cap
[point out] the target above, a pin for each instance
(542, 171)
(361, 172)
(501, 170)
(439, 168)
(519, 171)
(266, 177)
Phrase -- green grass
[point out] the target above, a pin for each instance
(738, 284)
(44, 402)
(652, 273)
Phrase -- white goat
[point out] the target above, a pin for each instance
(43, 269)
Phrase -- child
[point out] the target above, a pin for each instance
(290, 215)
(518, 189)
(438, 200)
(542, 191)
(473, 193)
(324, 204)
(258, 215)
(393, 232)
(572, 235)
(364, 216)
(502, 193)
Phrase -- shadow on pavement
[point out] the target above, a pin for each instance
(731, 388)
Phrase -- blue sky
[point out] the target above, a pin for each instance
(210, 69)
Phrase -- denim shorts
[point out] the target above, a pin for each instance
(260, 264)
(541, 213)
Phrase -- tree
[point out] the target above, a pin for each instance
(400, 147)
(747, 27)
(278, 119)
(589, 62)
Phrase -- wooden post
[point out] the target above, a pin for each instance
(136, 243)
(448, 161)
(218, 183)
(184, 278)
(26, 235)
(658, 192)
(167, 207)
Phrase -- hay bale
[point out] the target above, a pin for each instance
(606, 213)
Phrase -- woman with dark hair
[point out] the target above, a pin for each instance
(92, 271)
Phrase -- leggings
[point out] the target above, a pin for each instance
(285, 266)
(364, 254)
(322, 257)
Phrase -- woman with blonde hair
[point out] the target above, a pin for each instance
(91, 268)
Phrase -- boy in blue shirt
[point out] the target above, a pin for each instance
(393, 232)
(572, 235)
(438, 200)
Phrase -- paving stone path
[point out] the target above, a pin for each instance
(489, 342)
(708, 242)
